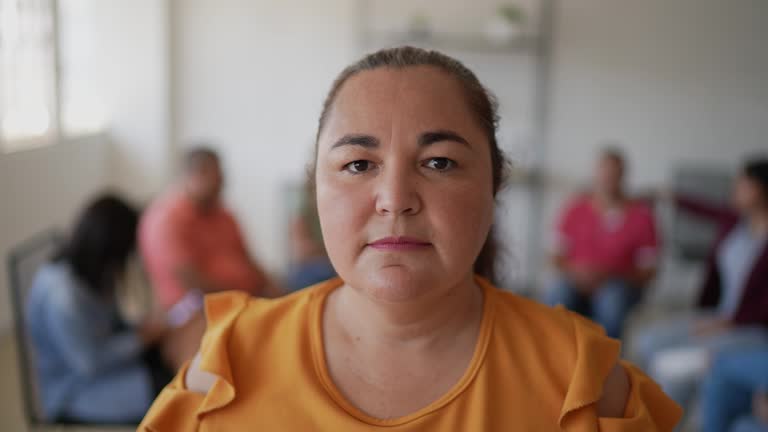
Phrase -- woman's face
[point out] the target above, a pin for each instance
(404, 185)
(747, 194)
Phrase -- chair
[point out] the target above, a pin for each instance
(23, 262)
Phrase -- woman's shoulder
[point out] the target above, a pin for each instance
(225, 306)
(241, 318)
(533, 317)
(55, 283)
(242, 332)
(585, 362)
(557, 333)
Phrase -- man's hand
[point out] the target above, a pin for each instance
(153, 328)
(711, 327)
(183, 342)
(760, 407)
(586, 279)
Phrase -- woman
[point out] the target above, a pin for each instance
(733, 308)
(92, 367)
(409, 337)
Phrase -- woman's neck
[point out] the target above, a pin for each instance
(606, 200)
(420, 323)
(392, 359)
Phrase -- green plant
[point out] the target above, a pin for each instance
(512, 13)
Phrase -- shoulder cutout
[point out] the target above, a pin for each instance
(196, 379)
(615, 394)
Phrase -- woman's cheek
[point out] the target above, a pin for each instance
(466, 215)
(342, 212)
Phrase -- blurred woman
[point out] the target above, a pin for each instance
(733, 308)
(412, 336)
(92, 367)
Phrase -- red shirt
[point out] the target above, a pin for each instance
(614, 240)
(174, 232)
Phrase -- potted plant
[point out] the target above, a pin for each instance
(506, 24)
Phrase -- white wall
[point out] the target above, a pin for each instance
(128, 59)
(674, 81)
(251, 76)
(116, 51)
(42, 189)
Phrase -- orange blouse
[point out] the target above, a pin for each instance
(534, 368)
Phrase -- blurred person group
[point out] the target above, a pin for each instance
(92, 365)
(412, 335)
(95, 367)
(607, 252)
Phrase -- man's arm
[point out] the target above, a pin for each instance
(638, 277)
(192, 280)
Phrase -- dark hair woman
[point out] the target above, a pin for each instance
(92, 367)
(732, 312)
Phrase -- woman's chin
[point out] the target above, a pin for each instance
(398, 283)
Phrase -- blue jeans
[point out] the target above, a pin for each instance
(728, 390)
(309, 273)
(677, 333)
(608, 306)
(748, 424)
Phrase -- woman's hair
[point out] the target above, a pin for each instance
(757, 170)
(481, 102)
(102, 240)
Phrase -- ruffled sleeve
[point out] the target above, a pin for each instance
(648, 408)
(178, 409)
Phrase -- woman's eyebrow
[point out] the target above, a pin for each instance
(432, 137)
(366, 141)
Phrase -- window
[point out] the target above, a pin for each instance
(50, 71)
(28, 79)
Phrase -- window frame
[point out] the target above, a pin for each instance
(54, 135)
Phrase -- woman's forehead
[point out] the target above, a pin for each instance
(404, 100)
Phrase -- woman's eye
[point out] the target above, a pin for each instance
(358, 166)
(440, 164)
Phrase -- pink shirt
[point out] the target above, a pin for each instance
(174, 232)
(617, 240)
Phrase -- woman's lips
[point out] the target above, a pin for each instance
(399, 244)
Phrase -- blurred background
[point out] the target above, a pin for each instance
(109, 94)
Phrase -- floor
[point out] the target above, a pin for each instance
(11, 410)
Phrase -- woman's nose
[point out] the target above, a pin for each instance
(396, 194)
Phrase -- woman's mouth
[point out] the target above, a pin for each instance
(399, 244)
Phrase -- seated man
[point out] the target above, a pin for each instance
(606, 249)
(192, 245)
(736, 386)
